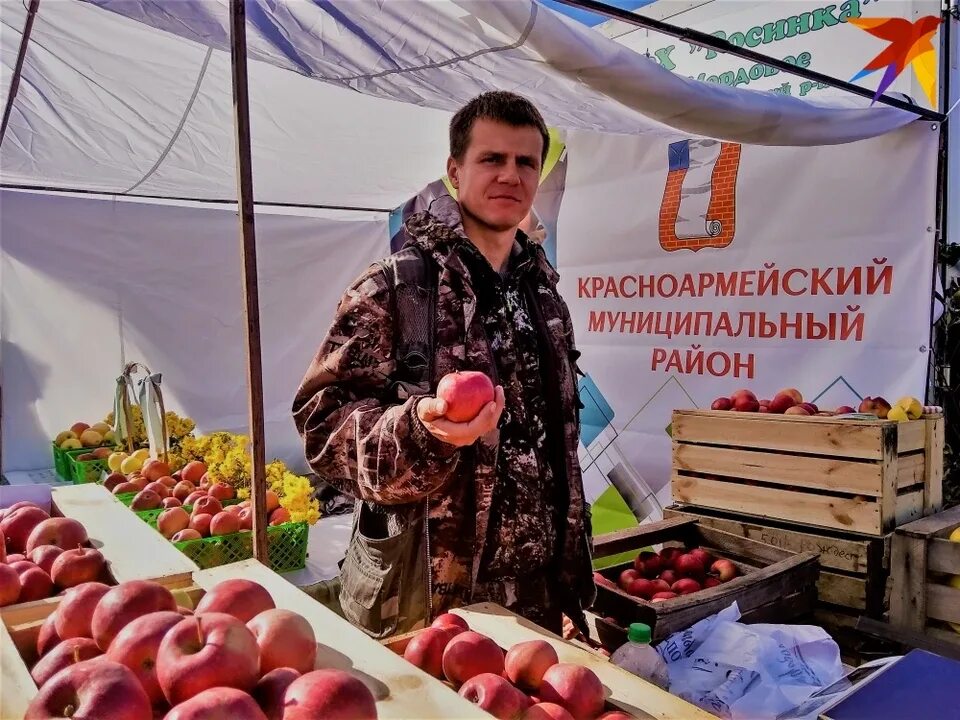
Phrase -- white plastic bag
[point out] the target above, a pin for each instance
(749, 672)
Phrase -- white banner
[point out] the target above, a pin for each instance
(696, 268)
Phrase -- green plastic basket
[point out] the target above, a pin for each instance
(85, 471)
(60, 458)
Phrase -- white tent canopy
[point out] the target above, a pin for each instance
(134, 96)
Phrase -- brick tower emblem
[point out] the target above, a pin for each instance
(699, 207)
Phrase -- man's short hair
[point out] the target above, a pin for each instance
(499, 106)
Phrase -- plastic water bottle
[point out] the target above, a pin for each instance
(637, 656)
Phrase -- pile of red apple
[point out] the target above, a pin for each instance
(128, 652)
(528, 682)
(786, 402)
(42, 555)
(190, 489)
(671, 573)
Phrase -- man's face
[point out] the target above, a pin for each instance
(498, 176)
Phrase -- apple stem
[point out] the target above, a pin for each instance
(199, 632)
(69, 710)
(76, 654)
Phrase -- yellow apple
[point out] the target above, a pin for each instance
(101, 427)
(131, 464)
(109, 438)
(71, 444)
(115, 460)
(91, 438)
(897, 413)
(65, 435)
(143, 454)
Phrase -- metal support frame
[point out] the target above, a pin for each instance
(18, 68)
(697, 37)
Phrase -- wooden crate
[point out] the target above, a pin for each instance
(774, 585)
(852, 475)
(625, 691)
(854, 569)
(402, 690)
(923, 560)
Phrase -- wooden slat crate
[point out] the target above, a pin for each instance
(774, 585)
(401, 690)
(854, 569)
(625, 691)
(923, 562)
(853, 475)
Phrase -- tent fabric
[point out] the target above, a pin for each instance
(134, 95)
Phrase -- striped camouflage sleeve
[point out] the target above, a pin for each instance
(355, 435)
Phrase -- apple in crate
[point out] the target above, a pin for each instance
(575, 688)
(207, 505)
(285, 639)
(171, 521)
(465, 394)
(685, 586)
(721, 403)
(425, 649)
(67, 653)
(744, 401)
(47, 638)
(74, 567)
(450, 620)
(244, 599)
(125, 603)
(35, 584)
(220, 703)
(60, 531)
(159, 488)
(526, 662)
(44, 556)
(222, 491)
(94, 688)
(495, 695)
(201, 523)
(137, 645)
(280, 516)
(75, 614)
(689, 565)
(270, 690)
(546, 711)
(470, 654)
(19, 524)
(193, 471)
(224, 523)
(330, 694)
(182, 490)
(724, 569)
(9, 585)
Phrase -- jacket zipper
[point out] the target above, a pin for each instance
(429, 565)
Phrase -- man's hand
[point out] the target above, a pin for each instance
(432, 411)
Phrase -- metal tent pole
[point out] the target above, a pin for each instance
(241, 116)
(18, 68)
(696, 37)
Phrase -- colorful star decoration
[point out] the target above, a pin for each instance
(909, 45)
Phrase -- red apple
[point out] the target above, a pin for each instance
(469, 654)
(207, 505)
(220, 703)
(146, 500)
(44, 556)
(15, 558)
(21, 504)
(685, 586)
(466, 394)
(222, 491)
(546, 711)
(35, 584)
(18, 524)
(78, 566)
(94, 688)
(669, 577)
(78, 428)
(764, 409)
(159, 488)
(642, 588)
(153, 470)
(782, 402)
(495, 695)
(171, 502)
(126, 487)
(244, 599)
(69, 652)
(616, 715)
(224, 523)
(450, 620)
(182, 490)
(649, 564)
(668, 555)
(285, 639)
(184, 535)
(233, 509)
(688, 565)
(75, 614)
(526, 662)
(331, 695)
(705, 558)
(114, 479)
(797, 410)
(245, 516)
(425, 649)
(627, 577)
(724, 569)
(270, 690)
(125, 603)
(60, 531)
(205, 651)
(172, 520)
(137, 645)
(201, 523)
(599, 579)
(661, 585)
(3, 543)
(575, 688)
(138, 481)
(667, 595)
(193, 471)
(273, 501)
(710, 582)
(280, 516)
(194, 496)
(745, 404)
(721, 403)
(10, 585)
(169, 482)
(47, 638)
(844, 410)
(206, 482)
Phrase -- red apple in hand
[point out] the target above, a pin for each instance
(495, 695)
(244, 599)
(470, 654)
(123, 604)
(75, 615)
(10, 585)
(331, 695)
(285, 639)
(271, 689)
(425, 649)
(466, 394)
(94, 688)
(206, 651)
(220, 703)
(137, 645)
(574, 687)
(69, 652)
(527, 661)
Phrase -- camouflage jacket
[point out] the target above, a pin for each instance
(359, 436)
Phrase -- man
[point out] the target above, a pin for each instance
(451, 513)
